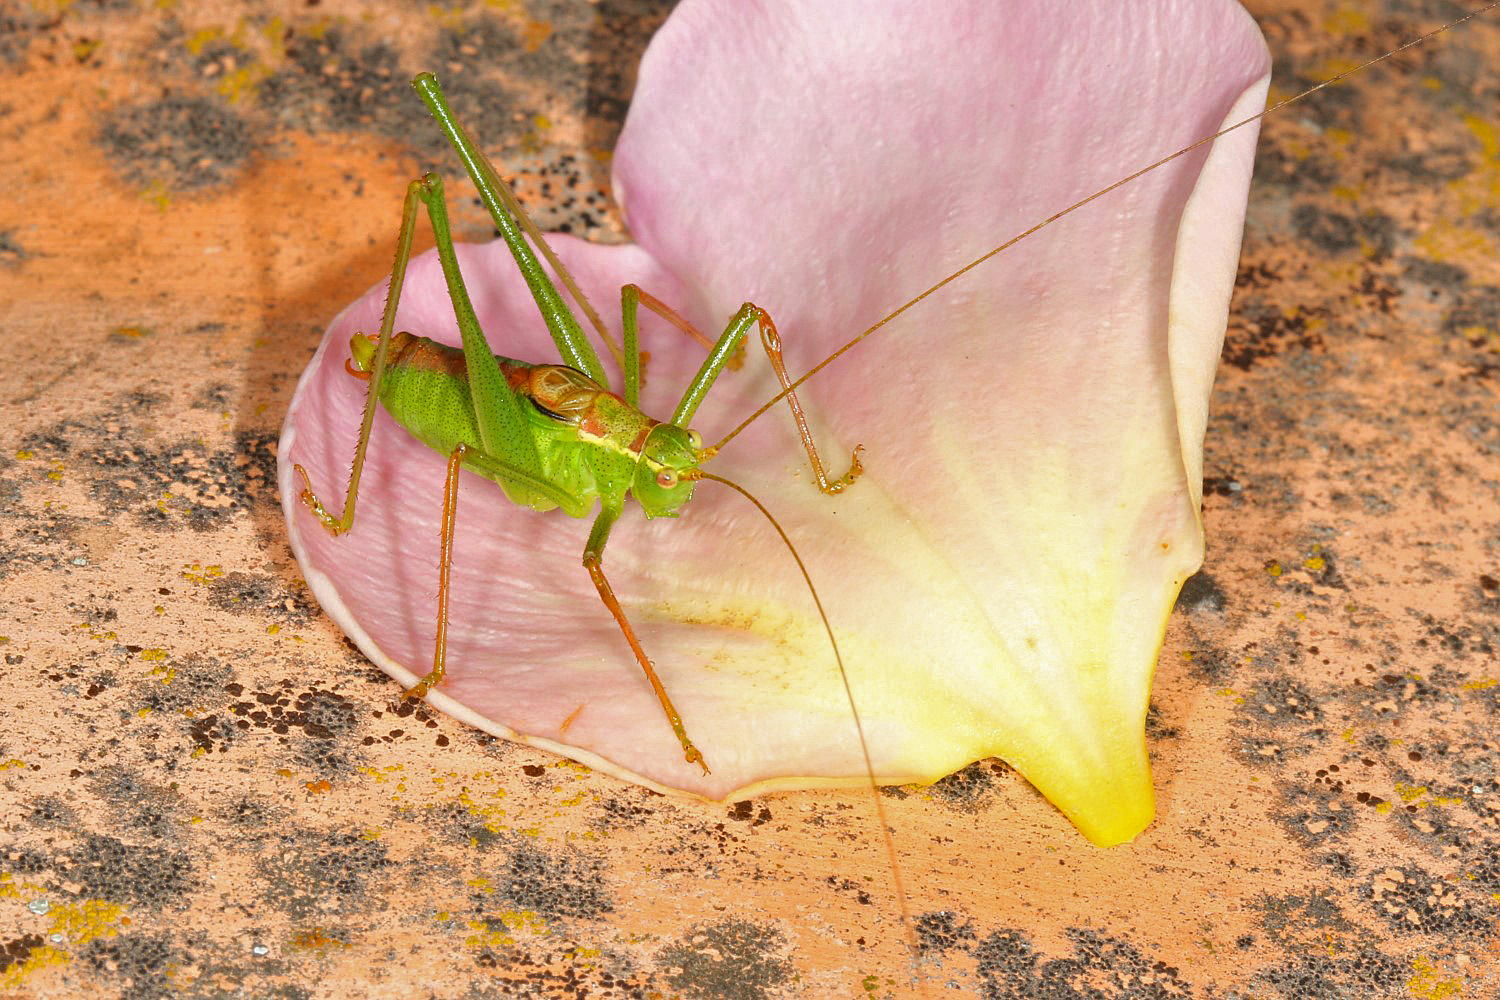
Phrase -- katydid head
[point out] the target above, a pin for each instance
(667, 469)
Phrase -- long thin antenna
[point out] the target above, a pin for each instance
(1093, 197)
(864, 748)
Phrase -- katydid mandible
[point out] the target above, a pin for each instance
(552, 436)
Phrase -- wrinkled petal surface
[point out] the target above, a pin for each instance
(1000, 578)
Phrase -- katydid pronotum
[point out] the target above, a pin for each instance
(684, 748)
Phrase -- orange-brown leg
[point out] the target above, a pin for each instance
(667, 313)
(772, 342)
(593, 561)
(445, 564)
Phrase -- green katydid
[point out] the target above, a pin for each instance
(551, 435)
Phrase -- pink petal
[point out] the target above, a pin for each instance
(1000, 578)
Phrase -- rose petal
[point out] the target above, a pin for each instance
(1000, 578)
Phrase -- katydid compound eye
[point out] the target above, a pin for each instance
(666, 479)
(696, 440)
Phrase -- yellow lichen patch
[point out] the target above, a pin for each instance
(488, 813)
(496, 931)
(199, 39)
(103, 635)
(1410, 793)
(157, 194)
(314, 939)
(1427, 982)
(202, 574)
(16, 974)
(1347, 20)
(82, 922)
(1479, 685)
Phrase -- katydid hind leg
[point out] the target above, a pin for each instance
(593, 562)
(508, 217)
(341, 524)
(498, 410)
(419, 690)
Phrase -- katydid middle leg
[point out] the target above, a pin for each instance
(593, 561)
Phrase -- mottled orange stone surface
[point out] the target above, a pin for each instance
(207, 793)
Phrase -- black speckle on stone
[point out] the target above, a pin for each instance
(181, 142)
(151, 875)
(1281, 701)
(340, 79)
(1102, 967)
(746, 812)
(12, 254)
(568, 883)
(1366, 973)
(1443, 275)
(51, 811)
(141, 964)
(1415, 901)
(1262, 329)
(964, 789)
(321, 872)
(1332, 232)
(1200, 592)
(944, 930)
(732, 959)
(1157, 728)
(1315, 814)
(196, 681)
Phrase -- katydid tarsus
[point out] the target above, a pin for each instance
(515, 470)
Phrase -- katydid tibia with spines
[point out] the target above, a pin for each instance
(552, 436)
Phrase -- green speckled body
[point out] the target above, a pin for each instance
(590, 441)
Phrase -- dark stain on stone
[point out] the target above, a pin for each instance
(1102, 967)
(1415, 901)
(18, 949)
(149, 875)
(1200, 592)
(140, 964)
(746, 812)
(565, 884)
(185, 143)
(943, 931)
(316, 872)
(966, 789)
(732, 959)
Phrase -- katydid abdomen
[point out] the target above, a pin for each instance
(580, 429)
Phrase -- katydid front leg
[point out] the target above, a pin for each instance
(593, 561)
(633, 296)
